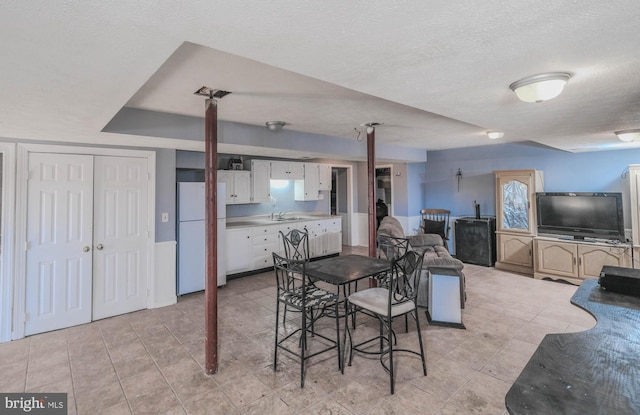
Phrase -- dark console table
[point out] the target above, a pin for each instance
(476, 240)
(592, 372)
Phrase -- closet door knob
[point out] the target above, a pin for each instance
(99, 247)
(86, 249)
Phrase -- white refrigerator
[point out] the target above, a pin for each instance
(191, 237)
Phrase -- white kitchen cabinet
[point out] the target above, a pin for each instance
(286, 170)
(307, 189)
(265, 241)
(324, 176)
(325, 237)
(260, 189)
(239, 257)
(333, 236)
(238, 184)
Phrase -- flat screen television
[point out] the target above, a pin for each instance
(581, 215)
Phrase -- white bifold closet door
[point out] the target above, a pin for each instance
(87, 238)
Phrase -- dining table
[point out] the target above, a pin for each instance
(344, 272)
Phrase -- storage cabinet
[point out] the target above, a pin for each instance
(285, 170)
(476, 240)
(251, 247)
(576, 261)
(514, 252)
(260, 186)
(634, 198)
(324, 177)
(238, 184)
(307, 189)
(516, 218)
(239, 253)
(264, 241)
(325, 237)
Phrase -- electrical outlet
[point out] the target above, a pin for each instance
(165, 217)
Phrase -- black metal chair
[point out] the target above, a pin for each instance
(390, 248)
(296, 292)
(296, 244)
(295, 247)
(386, 303)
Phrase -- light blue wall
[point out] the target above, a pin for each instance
(603, 171)
(165, 194)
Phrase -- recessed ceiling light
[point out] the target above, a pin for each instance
(495, 134)
(275, 126)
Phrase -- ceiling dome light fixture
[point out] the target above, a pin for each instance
(495, 134)
(541, 87)
(629, 135)
(275, 126)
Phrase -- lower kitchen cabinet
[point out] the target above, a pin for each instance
(238, 250)
(250, 248)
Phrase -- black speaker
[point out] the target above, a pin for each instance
(476, 240)
(620, 280)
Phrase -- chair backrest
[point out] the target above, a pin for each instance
(296, 244)
(390, 247)
(405, 277)
(435, 221)
(290, 273)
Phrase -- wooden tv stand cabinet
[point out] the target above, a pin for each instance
(575, 260)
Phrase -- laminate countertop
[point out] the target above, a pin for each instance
(592, 372)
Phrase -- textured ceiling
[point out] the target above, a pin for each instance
(435, 73)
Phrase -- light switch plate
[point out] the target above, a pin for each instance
(165, 217)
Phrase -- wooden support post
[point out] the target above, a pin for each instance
(211, 243)
(371, 176)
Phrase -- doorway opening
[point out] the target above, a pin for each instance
(340, 200)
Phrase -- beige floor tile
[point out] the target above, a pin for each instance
(212, 402)
(157, 356)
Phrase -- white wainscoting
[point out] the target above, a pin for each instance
(410, 225)
(164, 284)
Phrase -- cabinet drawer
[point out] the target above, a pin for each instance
(264, 250)
(264, 230)
(267, 238)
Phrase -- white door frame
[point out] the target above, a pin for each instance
(8, 151)
(22, 170)
(353, 228)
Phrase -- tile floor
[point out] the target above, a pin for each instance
(151, 361)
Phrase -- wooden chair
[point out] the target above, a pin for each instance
(436, 221)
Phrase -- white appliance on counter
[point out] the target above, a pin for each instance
(191, 237)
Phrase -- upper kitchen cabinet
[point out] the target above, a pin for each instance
(238, 185)
(260, 189)
(324, 177)
(285, 170)
(307, 189)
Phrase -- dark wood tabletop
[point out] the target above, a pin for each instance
(592, 372)
(345, 269)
